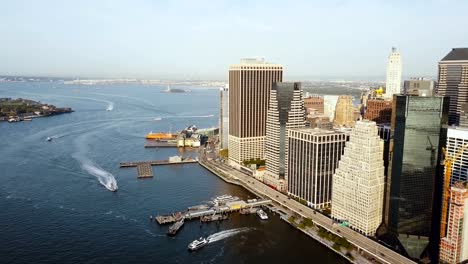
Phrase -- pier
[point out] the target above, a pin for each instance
(145, 170)
(212, 213)
(160, 144)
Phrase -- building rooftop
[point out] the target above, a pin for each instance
(316, 131)
(457, 54)
(256, 62)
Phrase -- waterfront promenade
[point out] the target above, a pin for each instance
(371, 247)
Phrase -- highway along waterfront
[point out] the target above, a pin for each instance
(369, 249)
(57, 209)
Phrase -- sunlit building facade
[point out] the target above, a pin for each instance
(312, 157)
(358, 182)
(394, 69)
(286, 111)
(250, 84)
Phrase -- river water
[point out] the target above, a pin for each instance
(55, 209)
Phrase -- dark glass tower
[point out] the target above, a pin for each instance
(412, 212)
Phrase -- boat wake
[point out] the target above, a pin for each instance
(194, 116)
(104, 177)
(226, 234)
(57, 136)
(110, 106)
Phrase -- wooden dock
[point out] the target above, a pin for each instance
(144, 168)
(160, 144)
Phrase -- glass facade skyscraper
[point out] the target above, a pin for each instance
(414, 195)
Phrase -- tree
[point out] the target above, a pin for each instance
(224, 153)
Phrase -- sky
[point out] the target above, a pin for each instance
(199, 39)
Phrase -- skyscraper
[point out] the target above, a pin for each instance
(413, 187)
(394, 68)
(312, 158)
(250, 83)
(453, 81)
(224, 116)
(358, 182)
(454, 247)
(457, 137)
(286, 111)
(344, 113)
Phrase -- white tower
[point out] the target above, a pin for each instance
(394, 68)
(358, 182)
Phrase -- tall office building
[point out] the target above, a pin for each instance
(344, 112)
(379, 111)
(312, 158)
(454, 247)
(419, 86)
(414, 189)
(286, 111)
(250, 84)
(394, 68)
(457, 137)
(358, 182)
(453, 81)
(224, 116)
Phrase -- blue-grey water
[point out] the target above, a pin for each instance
(53, 208)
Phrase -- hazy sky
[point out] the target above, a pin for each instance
(200, 38)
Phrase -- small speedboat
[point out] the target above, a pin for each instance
(112, 187)
(49, 139)
(197, 244)
(262, 214)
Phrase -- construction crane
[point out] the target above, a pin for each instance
(432, 149)
(448, 161)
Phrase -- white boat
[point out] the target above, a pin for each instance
(49, 139)
(223, 199)
(262, 214)
(111, 187)
(197, 244)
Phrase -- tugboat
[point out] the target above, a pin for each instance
(175, 227)
(262, 214)
(197, 244)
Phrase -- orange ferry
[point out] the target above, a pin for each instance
(161, 136)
